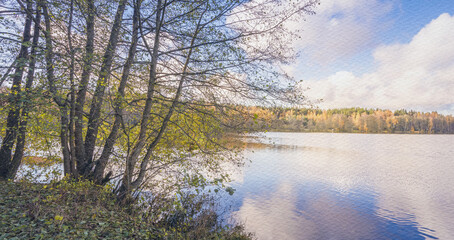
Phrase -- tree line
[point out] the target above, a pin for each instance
(349, 120)
(137, 90)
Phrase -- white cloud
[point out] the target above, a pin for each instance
(341, 28)
(417, 75)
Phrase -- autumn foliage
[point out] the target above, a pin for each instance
(352, 120)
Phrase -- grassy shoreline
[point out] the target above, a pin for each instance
(81, 210)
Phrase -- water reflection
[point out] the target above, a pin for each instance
(347, 186)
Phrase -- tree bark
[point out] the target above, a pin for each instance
(111, 139)
(51, 81)
(165, 121)
(95, 110)
(72, 145)
(132, 158)
(82, 91)
(20, 145)
(14, 99)
(128, 185)
(49, 55)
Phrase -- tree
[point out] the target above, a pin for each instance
(170, 77)
(19, 101)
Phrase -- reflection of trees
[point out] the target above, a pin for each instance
(351, 120)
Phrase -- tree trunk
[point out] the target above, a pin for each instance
(111, 139)
(51, 81)
(20, 145)
(165, 122)
(14, 99)
(127, 184)
(95, 110)
(82, 91)
(64, 140)
(72, 146)
(125, 189)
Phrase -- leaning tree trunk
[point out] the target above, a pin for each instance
(28, 100)
(128, 185)
(14, 100)
(95, 110)
(101, 163)
(143, 166)
(125, 188)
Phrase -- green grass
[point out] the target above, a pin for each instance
(81, 210)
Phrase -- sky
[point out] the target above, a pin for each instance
(389, 54)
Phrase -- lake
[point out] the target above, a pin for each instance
(347, 186)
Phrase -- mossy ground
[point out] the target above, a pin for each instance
(80, 210)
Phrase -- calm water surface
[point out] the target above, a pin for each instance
(347, 186)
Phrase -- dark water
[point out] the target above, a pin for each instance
(347, 186)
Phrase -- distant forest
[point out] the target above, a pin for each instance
(349, 120)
